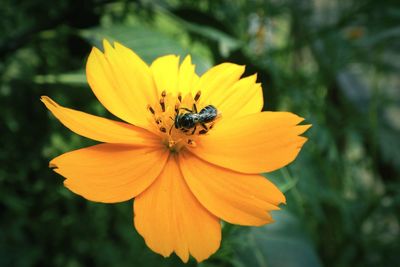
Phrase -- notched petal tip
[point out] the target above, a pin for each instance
(48, 101)
(302, 128)
(188, 58)
(296, 117)
(94, 53)
(105, 42)
(280, 200)
(306, 127)
(93, 50)
(242, 67)
(166, 57)
(301, 141)
(253, 78)
(107, 46)
(118, 45)
(52, 165)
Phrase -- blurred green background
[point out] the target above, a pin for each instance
(334, 62)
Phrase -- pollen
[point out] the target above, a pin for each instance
(181, 120)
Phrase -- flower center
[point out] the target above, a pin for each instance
(181, 120)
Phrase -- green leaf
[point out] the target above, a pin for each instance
(226, 43)
(282, 243)
(149, 43)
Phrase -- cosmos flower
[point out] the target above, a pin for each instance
(189, 150)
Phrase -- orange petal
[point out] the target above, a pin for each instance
(234, 197)
(110, 172)
(256, 143)
(100, 129)
(214, 83)
(122, 82)
(242, 98)
(170, 218)
(165, 72)
(187, 76)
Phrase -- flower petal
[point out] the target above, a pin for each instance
(187, 76)
(165, 71)
(242, 98)
(100, 129)
(216, 81)
(234, 197)
(110, 172)
(122, 82)
(170, 218)
(256, 143)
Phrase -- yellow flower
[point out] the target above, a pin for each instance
(187, 170)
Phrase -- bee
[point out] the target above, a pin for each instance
(192, 119)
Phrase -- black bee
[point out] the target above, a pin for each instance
(192, 119)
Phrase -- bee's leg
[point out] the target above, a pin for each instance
(194, 130)
(205, 130)
(176, 115)
(191, 111)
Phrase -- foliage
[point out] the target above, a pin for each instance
(336, 63)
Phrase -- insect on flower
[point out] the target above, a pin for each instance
(189, 148)
(192, 119)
